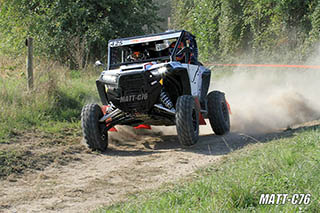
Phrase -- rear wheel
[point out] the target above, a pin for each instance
(218, 113)
(187, 120)
(92, 129)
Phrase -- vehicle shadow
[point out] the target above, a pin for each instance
(221, 145)
(123, 153)
(209, 144)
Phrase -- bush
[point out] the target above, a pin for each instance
(73, 32)
(231, 30)
(57, 96)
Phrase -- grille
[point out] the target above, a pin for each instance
(133, 84)
(131, 81)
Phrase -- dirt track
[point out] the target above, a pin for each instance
(136, 164)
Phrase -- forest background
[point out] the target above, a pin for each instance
(75, 33)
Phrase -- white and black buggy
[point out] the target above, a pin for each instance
(154, 80)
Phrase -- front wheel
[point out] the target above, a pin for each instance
(187, 120)
(218, 113)
(92, 129)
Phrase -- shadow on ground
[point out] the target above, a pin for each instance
(211, 144)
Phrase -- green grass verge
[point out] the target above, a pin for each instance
(290, 165)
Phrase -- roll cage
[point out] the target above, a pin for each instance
(119, 49)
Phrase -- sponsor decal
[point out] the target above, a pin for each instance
(116, 43)
(281, 199)
(123, 42)
(132, 98)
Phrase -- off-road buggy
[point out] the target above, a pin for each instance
(154, 80)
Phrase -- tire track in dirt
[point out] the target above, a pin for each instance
(142, 163)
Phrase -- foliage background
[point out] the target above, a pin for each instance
(73, 32)
(251, 30)
(76, 32)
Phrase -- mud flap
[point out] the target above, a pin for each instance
(229, 108)
(104, 109)
(201, 119)
(113, 129)
(143, 126)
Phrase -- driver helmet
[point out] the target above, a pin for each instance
(136, 55)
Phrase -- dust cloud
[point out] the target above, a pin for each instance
(125, 134)
(262, 100)
(268, 99)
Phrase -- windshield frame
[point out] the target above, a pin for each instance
(144, 39)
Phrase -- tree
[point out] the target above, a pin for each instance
(74, 32)
(261, 30)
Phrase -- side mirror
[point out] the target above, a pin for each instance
(98, 64)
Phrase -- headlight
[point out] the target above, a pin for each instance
(109, 78)
(159, 72)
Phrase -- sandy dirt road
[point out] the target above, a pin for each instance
(135, 164)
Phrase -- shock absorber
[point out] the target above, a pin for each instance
(165, 99)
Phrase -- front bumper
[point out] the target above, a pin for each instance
(134, 91)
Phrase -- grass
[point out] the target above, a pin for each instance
(41, 127)
(55, 102)
(289, 165)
